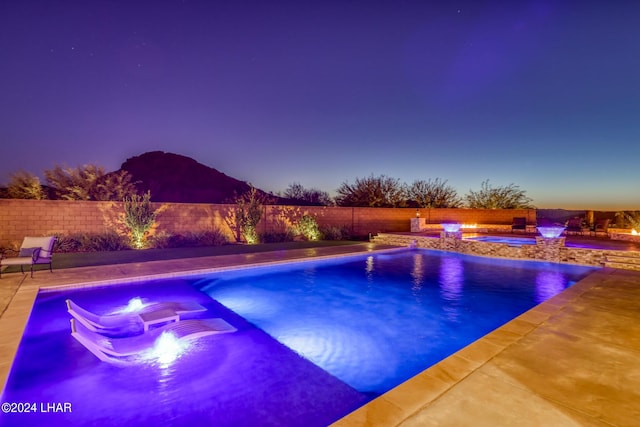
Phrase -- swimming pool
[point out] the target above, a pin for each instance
(248, 378)
(376, 322)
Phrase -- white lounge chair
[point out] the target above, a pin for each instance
(110, 349)
(148, 315)
(33, 251)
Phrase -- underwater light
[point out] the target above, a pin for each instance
(451, 227)
(551, 232)
(167, 348)
(634, 232)
(135, 305)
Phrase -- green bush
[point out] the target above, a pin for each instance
(248, 212)
(250, 234)
(139, 217)
(211, 238)
(160, 240)
(66, 243)
(90, 242)
(308, 228)
(277, 237)
(164, 240)
(331, 232)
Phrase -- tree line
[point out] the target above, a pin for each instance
(88, 182)
(386, 192)
(91, 182)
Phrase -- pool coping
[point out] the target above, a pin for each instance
(427, 393)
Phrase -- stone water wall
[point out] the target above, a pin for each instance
(552, 251)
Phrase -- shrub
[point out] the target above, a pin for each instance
(90, 242)
(332, 232)
(211, 238)
(160, 240)
(308, 228)
(277, 237)
(248, 212)
(139, 217)
(66, 243)
(204, 238)
(104, 242)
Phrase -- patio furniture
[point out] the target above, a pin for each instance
(576, 225)
(147, 316)
(601, 226)
(109, 349)
(519, 223)
(33, 251)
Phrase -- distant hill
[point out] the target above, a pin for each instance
(175, 178)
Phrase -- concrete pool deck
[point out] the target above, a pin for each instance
(569, 361)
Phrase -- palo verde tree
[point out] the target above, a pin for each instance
(307, 196)
(139, 217)
(88, 182)
(505, 197)
(374, 191)
(25, 185)
(433, 194)
(114, 186)
(629, 218)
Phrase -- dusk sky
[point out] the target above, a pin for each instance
(541, 94)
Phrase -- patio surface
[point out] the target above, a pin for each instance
(570, 361)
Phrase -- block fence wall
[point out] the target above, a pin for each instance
(19, 218)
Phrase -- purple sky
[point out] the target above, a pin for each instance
(541, 94)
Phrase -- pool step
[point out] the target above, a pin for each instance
(629, 261)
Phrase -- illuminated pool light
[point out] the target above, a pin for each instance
(135, 305)
(451, 227)
(167, 348)
(551, 232)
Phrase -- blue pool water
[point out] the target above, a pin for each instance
(376, 322)
(511, 241)
(367, 323)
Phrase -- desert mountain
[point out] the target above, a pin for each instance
(175, 178)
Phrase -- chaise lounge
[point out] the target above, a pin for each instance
(33, 251)
(156, 313)
(110, 349)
